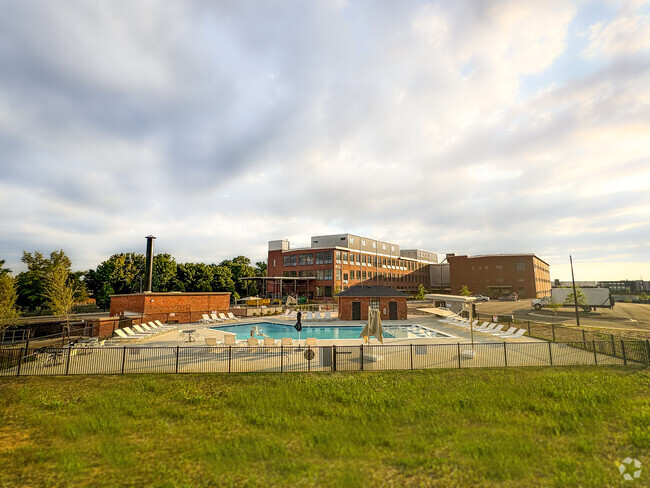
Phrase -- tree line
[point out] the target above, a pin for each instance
(50, 286)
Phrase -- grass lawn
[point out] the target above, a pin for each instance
(485, 427)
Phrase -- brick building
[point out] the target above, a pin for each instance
(354, 303)
(337, 262)
(501, 274)
(171, 307)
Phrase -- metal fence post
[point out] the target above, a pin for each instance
(613, 345)
(553, 329)
(411, 356)
(505, 354)
(459, 355)
(623, 350)
(584, 338)
(229, 357)
(308, 358)
(178, 353)
(281, 358)
(20, 360)
(529, 328)
(550, 353)
(647, 348)
(593, 343)
(123, 359)
(361, 357)
(334, 357)
(67, 364)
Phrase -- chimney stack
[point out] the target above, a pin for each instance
(148, 272)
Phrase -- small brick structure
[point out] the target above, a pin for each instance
(392, 303)
(170, 307)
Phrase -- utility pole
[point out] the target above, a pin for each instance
(575, 295)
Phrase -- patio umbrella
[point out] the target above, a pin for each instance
(373, 326)
(298, 325)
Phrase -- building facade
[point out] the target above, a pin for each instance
(501, 274)
(354, 303)
(170, 307)
(334, 263)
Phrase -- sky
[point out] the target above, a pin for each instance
(466, 127)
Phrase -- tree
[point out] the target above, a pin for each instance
(421, 292)
(464, 291)
(31, 284)
(240, 267)
(195, 277)
(3, 271)
(582, 299)
(222, 279)
(260, 268)
(59, 291)
(553, 305)
(8, 298)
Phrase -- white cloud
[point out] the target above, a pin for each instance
(622, 36)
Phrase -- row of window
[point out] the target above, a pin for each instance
(307, 259)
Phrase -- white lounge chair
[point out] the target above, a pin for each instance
(286, 341)
(163, 326)
(328, 315)
(215, 318)
(231, 316)
(496, 330)
(308, 315)
(515, 335)
(205, 319)
(310, 341)
(123, 335)
(269, 342)
(293, 315)
(483, 326)
(130, 332)
(489, 328)
(141, 330)
(318, 316)
(252, 342)
(223, 317)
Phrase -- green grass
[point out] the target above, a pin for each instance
(485, 427)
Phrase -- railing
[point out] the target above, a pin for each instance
(23, 361)
(12, 336)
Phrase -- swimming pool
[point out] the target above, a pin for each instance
(277, 331)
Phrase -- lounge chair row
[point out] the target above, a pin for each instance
(309, 315)
(488, 328)
(229, 340)
(142, 331)
(215, 318)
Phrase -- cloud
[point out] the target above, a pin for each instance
(220, 126)
(620, 37)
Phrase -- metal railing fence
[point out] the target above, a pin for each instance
(23, 361)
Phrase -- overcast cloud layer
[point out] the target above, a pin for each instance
(467, 127)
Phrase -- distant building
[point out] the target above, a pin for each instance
(626, 286)
(334, 263)
(501, 274)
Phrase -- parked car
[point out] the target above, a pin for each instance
(481, 298)
(508, 298)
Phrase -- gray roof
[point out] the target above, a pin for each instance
(371, 291)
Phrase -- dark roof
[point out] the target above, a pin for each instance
(371, 291)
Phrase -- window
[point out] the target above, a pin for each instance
(369, 274)
(274, 263)
(345, 277)
(363, 243)
(358, 274)
(358, 259)
(338, 274)
(520, 265)
(319, 291)
(363, 275)
(310, 258)
(351, 240)
(319, 258)
(392, 248)
(302, 259)
(328, 291)
(294, 260)
(374, 245)
(351, 258)
(319, 274)
(328, 274)
(374, 303)
(287, 261)
(345, 258)
(383, 246)
(328, 257)
(338, 257)
(498, 266)
(285, 273)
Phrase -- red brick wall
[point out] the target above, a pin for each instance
(345, 307)
(180, 307)
(484, 274)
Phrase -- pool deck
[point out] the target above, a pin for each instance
(458, 334)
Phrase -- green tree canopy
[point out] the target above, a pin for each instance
(582, 299)
(31, 284)
(464, 291)
(8, 298)
(59, 289)
(421, 292)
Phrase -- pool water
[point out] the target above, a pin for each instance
(278, 331)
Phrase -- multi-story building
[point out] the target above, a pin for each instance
(501, 274)
(334, 263)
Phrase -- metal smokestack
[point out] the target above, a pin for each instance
(148, 272)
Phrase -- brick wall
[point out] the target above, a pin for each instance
(345, 307)
(171, 307)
